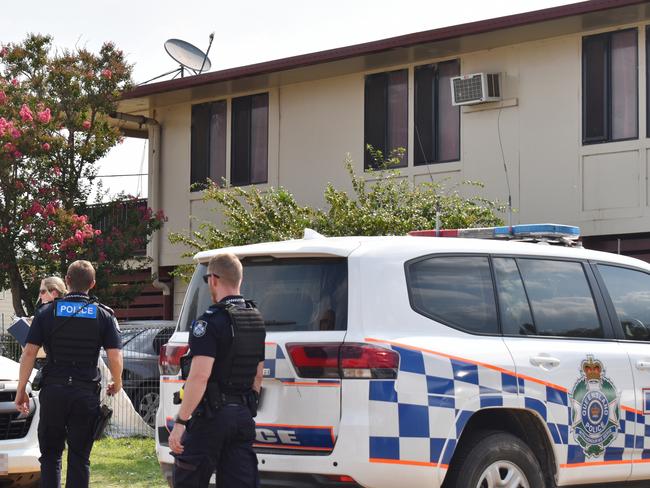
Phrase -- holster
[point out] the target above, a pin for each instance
(37, 382)
(105, 414)
(252, 402)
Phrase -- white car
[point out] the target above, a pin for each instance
(19, 453)
(427, 361)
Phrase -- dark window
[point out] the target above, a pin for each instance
(455, 290)
(291, 294)
(610, 87)
(208, 153)
(516, 318)
(249, 149)
(630, 292)
(437, 121)
(560, 297)
(386, 114)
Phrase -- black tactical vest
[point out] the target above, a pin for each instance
(75, 339)
(236, 371)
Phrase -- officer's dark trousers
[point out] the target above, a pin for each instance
(223, 442)
(67, 413)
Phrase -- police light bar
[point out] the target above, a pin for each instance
(522, 231)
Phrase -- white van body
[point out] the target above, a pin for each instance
(580, 403)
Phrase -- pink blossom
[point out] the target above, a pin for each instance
(98, 232)
(3, 52)
(44, 116)
(14, 82)
(15, 133)
(26, 113)
(107, 73)
(56, 169)
(50, 223)
(47, 247)
(46, 146)
(3, 97)
(3, 230)
(9, 147)
(17, 154)
(86, 124)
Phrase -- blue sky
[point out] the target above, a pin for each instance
(245, 32)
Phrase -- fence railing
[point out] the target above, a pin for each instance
(134, 409)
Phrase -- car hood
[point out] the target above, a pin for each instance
(8, 369)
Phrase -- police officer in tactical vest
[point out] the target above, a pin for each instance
(214, 427)
(72, 329)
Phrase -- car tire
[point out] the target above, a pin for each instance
(493, 458)
(147, 406)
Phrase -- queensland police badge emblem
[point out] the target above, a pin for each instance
(199, 327)
(595, 409)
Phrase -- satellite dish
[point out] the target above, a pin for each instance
(188, 56)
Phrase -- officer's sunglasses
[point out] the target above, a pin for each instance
(43, 291)
(207, 276)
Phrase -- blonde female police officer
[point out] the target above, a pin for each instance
(72, 329)
(227, 349)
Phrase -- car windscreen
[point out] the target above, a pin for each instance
(305, 294)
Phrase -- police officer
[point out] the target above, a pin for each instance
(227, 350)
(71, 329)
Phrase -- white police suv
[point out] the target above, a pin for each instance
(421, 361)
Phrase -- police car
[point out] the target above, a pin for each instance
(19, 452)
(436, 361)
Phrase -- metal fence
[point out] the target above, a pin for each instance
(134, 409)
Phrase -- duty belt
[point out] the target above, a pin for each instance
(70, 381)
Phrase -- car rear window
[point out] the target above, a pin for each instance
(454, 290)
(306, 294)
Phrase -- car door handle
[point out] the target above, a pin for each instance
(643, 365)
(545, 362)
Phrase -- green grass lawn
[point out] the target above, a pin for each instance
(129, 462)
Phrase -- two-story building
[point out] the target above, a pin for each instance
(568, 139)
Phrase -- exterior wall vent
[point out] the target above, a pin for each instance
(475, 88)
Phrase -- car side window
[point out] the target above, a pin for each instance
(560, 297)
(455, 290)
(516, 318)
(630, 292)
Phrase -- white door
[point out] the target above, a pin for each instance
(629, 291)
(576, 376)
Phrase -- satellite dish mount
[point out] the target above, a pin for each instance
(189, 58)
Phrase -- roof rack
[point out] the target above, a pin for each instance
(563, 235)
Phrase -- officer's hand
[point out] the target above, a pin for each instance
(175, 438)
(113, 388)
(22, 402)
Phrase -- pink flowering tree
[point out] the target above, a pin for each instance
(54, 127)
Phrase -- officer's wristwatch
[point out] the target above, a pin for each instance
(179, 420)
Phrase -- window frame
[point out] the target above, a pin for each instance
(436, 115)
(608, 90)
(233, 138)
(197, 183)
(368, 164)
(609, 302)
(603, 311)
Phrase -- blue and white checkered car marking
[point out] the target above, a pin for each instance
(419, 418)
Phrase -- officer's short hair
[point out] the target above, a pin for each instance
(80, 275)
(228, 267)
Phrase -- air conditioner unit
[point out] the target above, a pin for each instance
(475, 88)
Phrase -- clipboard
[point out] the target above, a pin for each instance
(19, 329)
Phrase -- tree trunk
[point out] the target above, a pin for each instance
(18, 292)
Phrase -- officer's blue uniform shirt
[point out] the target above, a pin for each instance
(41, 329)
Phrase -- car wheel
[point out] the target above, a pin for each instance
(147, 406)
(492, 459)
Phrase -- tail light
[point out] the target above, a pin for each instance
(169, 361)
(334, 360)
(340, 478)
